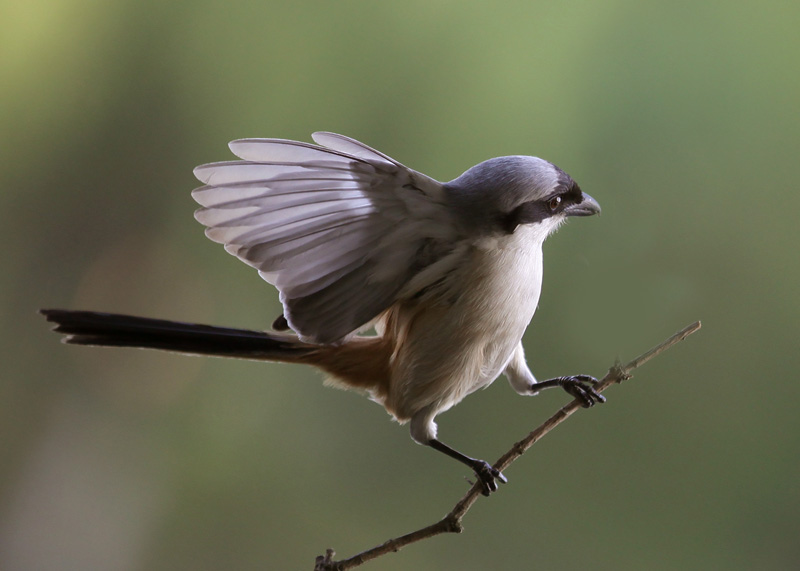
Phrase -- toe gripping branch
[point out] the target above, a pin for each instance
(579, 386)
(486, 473)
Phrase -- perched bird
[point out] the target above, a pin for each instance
(447, 274)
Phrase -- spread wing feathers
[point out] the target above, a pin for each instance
(339, 230)
(351, 146)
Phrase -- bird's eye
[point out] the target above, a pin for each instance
(554, 203)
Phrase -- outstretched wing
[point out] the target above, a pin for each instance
(339, 229)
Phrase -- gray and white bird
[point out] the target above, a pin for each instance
(447, 274)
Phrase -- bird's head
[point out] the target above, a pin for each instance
(502, 194)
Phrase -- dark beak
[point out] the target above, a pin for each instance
(586, 207)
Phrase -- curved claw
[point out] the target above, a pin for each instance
(488, 476)
(582, 387)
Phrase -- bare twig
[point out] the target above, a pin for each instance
(451, 523)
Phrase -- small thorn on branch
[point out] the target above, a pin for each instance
(618, 373)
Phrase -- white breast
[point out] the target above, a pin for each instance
(457, 347)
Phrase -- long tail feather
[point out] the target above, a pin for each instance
(114, 330)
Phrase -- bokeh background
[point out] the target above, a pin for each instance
(681, 118)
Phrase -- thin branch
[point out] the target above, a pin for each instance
(451, 523)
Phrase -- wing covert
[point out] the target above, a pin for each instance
(336, 228)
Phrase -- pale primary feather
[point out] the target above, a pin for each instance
(351, 147)
(339, 231)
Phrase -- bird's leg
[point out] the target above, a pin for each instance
(579, 386)
(487, 475)
(523, 381)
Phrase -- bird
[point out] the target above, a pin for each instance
(410, 290)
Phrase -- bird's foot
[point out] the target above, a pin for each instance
(582, 388)
(488, 476)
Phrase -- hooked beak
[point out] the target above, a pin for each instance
(585, 207)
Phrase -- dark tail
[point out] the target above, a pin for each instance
(113, 330)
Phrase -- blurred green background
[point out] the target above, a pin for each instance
(681, 118)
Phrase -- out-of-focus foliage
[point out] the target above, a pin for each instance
(680, 118)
